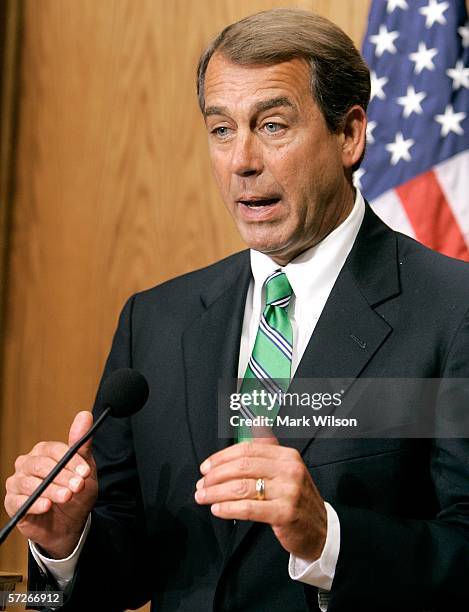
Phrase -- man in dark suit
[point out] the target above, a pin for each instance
(195, 523)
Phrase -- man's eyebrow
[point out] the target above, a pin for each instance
(215, 110)
(274, 103)
(259, 107)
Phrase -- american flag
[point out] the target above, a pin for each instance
(416, 169)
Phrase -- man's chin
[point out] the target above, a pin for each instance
(281, 251)
(275, 250)
(263, 246)
(266, 238)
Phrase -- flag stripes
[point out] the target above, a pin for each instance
(431, 216)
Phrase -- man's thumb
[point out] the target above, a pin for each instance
(81, 423)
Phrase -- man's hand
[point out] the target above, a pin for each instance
(292, 504)
(55, 521)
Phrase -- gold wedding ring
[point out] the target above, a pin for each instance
(260, 489)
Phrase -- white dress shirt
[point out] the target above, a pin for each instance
(312, 276)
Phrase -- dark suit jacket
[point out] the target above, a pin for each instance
(403, 504)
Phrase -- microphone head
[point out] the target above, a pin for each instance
(125, 391)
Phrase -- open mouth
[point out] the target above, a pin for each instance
(259, 202)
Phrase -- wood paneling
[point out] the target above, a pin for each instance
(114, 191)
(10, 19)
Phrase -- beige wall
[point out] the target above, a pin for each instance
(113, 191)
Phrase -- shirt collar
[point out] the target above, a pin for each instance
(313, 273)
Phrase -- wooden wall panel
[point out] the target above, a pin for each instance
(10, 21)
(114, 192)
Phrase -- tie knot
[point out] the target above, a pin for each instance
(278, 289)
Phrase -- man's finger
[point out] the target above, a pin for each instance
(57, 492)
(14, 502)
(55, 451)
(41, 466)
(270, 512)
(243, 467)
(249, 449)
(243, 488)
(81, 424)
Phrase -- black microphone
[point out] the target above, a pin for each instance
(123, 393)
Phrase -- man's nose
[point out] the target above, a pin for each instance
(246, 155)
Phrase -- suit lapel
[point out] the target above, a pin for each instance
(352, 330)
(349, 331)
(211, 353)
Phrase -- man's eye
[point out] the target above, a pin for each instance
(271, 127)
(221, 131)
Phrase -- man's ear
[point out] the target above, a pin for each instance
(354, 134)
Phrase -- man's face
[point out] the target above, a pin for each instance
(280, 172)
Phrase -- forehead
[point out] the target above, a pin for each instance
(234, 86)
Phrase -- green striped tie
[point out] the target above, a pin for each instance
(269, 367)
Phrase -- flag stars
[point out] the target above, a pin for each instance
(394, 4)
(399, 149)
(460, 75)
(377, 84)
(419, 73)
(369, 131)
(463, 32)
(434, 12)
(423, 58)
(450, 121)
(411, 102)
(384, 41)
